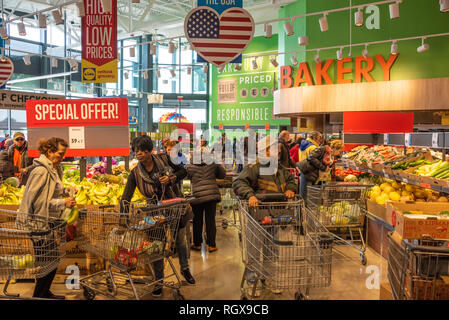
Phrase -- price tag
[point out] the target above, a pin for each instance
(76, 138)
(408, 139)
(435, 140)
(405, 180)
(425, 185)
(386, 139)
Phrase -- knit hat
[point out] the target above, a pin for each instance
(18, 135)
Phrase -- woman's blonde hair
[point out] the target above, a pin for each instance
(337, 145)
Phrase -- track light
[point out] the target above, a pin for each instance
(118, 55)
(444, 5)
(73, 65)
(205, 68)
(394, 10)
(303, 41)
(324, 26)
(54, 62)
(126, 75)
(4, 33)
(317, 57)
(423, 47)
(158, 73)
(340, 54)
(365, 52)
(107, 6)
(274, 62)
(358, 18)
(190, 47)
(145, 75)
(288, 28)
(189, 70)
(42, 21)
(173, 73)
(57, 16)
(81, 10)
(221, 68)
(152, 49)
(238, 67)
(132, 52)
(394, 48)
(293, 60)
(268, 28)
(21, 28)
(27, 60)
(254, 63)
(171, 47)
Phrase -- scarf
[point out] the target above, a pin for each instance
(17, 158)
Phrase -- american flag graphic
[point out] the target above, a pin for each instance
(6, 70)
(219, 38)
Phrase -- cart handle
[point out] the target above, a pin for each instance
(107, 206)
(430, 249)
(272, 197)
(283, 243)
(168, 203)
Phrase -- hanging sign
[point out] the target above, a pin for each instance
(6, 70)
(99, 43)
(16, 100)
(219, 33)
(92, 127)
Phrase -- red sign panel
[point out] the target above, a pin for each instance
(377, 122)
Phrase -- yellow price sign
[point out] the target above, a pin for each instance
(445, 119)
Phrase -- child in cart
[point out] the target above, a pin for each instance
(264, 178)
(150, 178)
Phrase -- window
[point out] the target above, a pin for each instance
(199, 80)
(18, 121)
(3, 122)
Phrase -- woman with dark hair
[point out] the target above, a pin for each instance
(44, 197)
(156, 176)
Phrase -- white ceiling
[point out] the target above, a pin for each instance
(166, 17)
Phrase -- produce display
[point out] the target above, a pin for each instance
(341, 213)
(20, 262)
(348, 174)
(443, 214)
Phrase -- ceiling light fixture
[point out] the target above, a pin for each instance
(394, 48)
(221, 68)
(317, 57)
(254, 63)
(173, 73)
(423, 47)
(27, 60)
(107, 6)
(145, 75)
(132, 52)
(238, 67)
(303, 40)
(288, 27)
(4, 33)
(444, 5)
(274, 62)
(42, 21)
(21, 28)
(324, 26)
(189, 70)
(205, 67)
(152, 49)
(57, 16)
(268, 28)
(365, 52)
(158, 73)
(81, 10)
(293, 60)
(340, 54)
(358, 18)
(126, 75)
(171, 47)
(54, 62)
(394, 10)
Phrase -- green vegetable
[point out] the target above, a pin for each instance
(443, 168)
(444, 213)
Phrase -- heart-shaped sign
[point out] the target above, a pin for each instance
(219, 39)
(6, 70)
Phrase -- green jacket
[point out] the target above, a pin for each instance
(249, 182)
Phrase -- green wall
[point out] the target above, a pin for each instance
(266, 75)
(417, 17)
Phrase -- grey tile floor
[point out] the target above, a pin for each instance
(218, 275)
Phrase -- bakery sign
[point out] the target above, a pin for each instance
(16, 100)
(362, 68)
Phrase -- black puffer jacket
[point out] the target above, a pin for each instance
(6, 165)
(203, 180)
(311, 166)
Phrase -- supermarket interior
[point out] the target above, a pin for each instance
(224, 150)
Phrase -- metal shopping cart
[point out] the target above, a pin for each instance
(418, 269)
(228, 203)
(30, 247)
(128, 240)
(276, 255)
(341, 207)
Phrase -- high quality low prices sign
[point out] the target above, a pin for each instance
(92, 127)
(99, 43)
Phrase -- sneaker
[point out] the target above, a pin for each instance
(157, 292)
(188, 276)
(196, 248)
(212, 249)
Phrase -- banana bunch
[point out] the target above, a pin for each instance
(11, 195)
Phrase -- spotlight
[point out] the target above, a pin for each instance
(358, 18)
(254, 62)
(152, 49)
(189, 70)
(107, 6)
(132, 52)
(274, 62)
(21, 28)
(73, 65)
(303, 41)
(268, 28)
(126, 75)
(145, 75)
(27, 60)
(293, 60)
(394, 48)
(423, 47)
(324, 26)
(57, 16)
(288, 28)
(205, 68)
(394, 10)
(54, 62)
(3, 33)
(171, 47)
(173, 73)
(238, 67)
(317, 57)
(81, 11)
(365, 52)
(340, 54)
(221, 68)
(158, 73)
(42, 21)
(444, 5)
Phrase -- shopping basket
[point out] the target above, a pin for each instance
(277, 254)
(341, 207)
(30, 247)
(128, 240)
(418, 269)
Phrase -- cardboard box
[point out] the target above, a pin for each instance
(377, 210)
(415, 226)
(385, 291)
(427, 290)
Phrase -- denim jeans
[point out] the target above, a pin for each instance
(181, 248)
(303, 187)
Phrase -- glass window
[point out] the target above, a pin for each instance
(18, 121)
(186, 80)
(55, 35)
(32, 33)
(23, 46)
(163, 56)
(199, 80)
(3, 123)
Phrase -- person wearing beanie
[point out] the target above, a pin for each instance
(18, 156)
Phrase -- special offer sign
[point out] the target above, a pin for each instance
(99, 43)
(92, 127)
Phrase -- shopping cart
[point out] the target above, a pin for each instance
(418, 269)
(276, 255)
(30, 247)
(228, 203)
(341, 207)
(127, 241)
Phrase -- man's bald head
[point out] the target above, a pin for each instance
(284, 135)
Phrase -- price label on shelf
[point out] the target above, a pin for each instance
(76, 138)
(386, 138)
(405, 180)
(435, 140)
(425, 185)
(408, 139)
